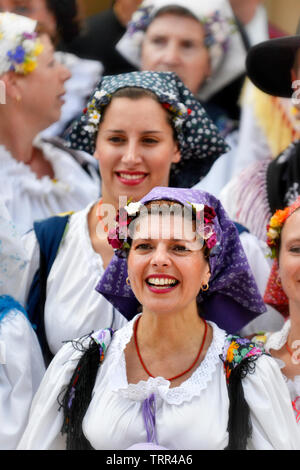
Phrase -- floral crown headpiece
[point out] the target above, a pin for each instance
(102, 98)
(276, 224)
(19, 44)
(218, 28)
(119, 239)
(23, 58)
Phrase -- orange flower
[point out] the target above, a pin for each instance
(279, 217)
(231, 349)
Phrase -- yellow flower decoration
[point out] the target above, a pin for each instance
(29, 66)
(38, 49)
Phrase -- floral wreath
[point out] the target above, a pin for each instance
(217, 30)
(275, 225)
(118, 236)
(23, 58)
(101, 99)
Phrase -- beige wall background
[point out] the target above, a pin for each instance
(283, 13)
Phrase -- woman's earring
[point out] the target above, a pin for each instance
(204, 287)
(278, 281)
(128, 281)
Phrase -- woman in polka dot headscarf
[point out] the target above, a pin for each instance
(145, 129)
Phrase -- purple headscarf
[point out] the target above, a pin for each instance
(233, 299)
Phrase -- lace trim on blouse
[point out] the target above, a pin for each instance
(189, 389)
(33, 184)
(276, 341)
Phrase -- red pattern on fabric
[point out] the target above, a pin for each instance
(274, 293)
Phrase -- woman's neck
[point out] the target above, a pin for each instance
(17, 135)
(166, 330)
(294, 334)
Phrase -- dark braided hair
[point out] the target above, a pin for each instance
(77, 396)
(239, 423)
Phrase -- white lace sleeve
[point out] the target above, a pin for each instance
(273, 421)
(46, 419)
(32, 250)
(21, 371)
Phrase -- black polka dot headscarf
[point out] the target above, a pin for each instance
(199, 140)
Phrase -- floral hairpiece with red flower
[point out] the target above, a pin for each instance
(118, 237)
(276, 224)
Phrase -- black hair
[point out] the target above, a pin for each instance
(67, 17)
(75, 399)
(136, 93)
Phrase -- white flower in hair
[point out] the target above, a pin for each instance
(137, 16)
(94, 117)
(171, 96)
(133, 208)
(28, 45)
(100, 94)
(272, 233)
(207, 231)
(90, 129)
(182, 108)
(178, 122)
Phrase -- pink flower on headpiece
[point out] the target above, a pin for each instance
(210, 243)
(113, 239)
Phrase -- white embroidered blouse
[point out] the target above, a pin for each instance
(29, 198)
(276, 340)
(193, 415)
(73, 308)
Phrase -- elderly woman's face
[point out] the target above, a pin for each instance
(135, 148)
(166, 263)
(289, 258)
(174, 43)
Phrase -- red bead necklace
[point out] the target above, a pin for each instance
(289, 349)
(176, 376)
(294, 403)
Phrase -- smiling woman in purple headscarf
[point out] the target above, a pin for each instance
(170, 364)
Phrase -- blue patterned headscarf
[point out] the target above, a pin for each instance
(233, 299)
(199, 140)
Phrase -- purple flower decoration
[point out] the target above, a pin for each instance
(29, 35)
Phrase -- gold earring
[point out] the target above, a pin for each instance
(128, 281)
(205, 287)
(278, 281)
(18, 98)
